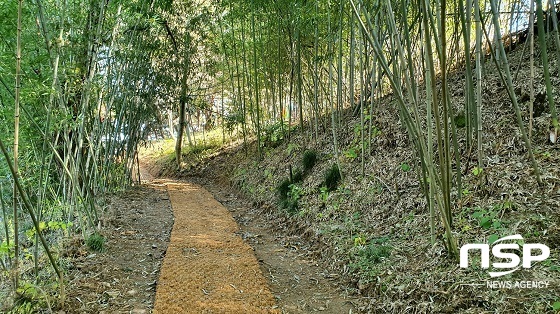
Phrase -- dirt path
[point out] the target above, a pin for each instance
(122, 279)
(211, 257)
(300, 283)
(208, 268)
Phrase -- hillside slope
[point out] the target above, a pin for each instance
(374, 229)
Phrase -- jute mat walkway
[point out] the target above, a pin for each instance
(207, 267)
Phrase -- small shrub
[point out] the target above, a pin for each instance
(96, 242)
(477, 171)
(360, 240)
(323, 194)
(405, 167)
(283, 188)
(351, 153)
(24, 305)
(297, 176)
(290, 203)
(295, 191)
(488, 218)
(460, 120)
(232, 120)
(375, 253)
(309, 159)
(273, 135)
(332, 177)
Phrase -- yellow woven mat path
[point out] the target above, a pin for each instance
(207, 267)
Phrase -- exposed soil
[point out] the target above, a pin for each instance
(300, 283)
(123, 278)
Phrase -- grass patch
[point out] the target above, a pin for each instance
(374, 253)
(369, 255)
(96, 242)
(309, 159)
(283, 188)
(332, 177)
(289, 195)
(290, 205)
(200, 148)
(297, 176)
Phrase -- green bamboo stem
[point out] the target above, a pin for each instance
(16, 146)
(29, 208)
(407, 118)
(546, 70)
(508, 82)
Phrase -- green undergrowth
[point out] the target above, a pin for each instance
(96, 242)
(38, 287)
(374, 228)
(309, 159)
(368, 223)
(161, 154)
(368, 256)
(332, 177)
(290, 189)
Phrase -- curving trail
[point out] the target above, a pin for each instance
(208, 268)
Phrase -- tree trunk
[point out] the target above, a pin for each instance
(182, 111)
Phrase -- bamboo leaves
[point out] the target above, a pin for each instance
(102, 74)
(81, 97)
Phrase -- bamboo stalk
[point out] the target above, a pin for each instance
(506, 78)
(406, 116)
(334, 120)
(29, 208)
(5, 221)
(256, 88)
(546, 70)
(532, 66)
(16, 146)
(479, 65)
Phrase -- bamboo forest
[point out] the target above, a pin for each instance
(279, 156)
